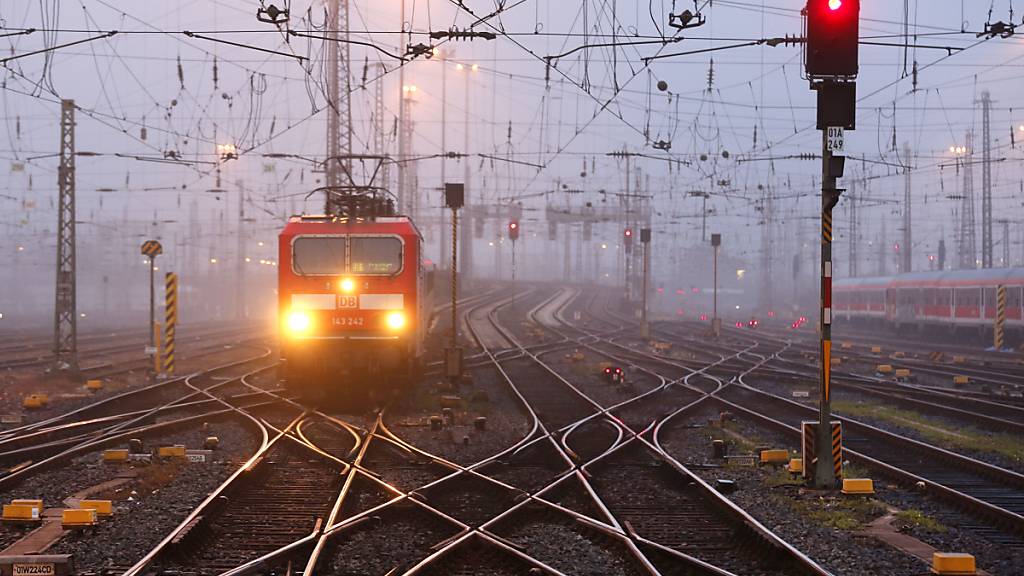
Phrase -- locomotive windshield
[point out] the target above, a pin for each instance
(319, 255)
(380, 255)
(325, 255)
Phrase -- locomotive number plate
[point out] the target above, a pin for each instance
(348, 302)
(348, 321)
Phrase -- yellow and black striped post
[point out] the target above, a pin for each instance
(170, 320)
(999, 335)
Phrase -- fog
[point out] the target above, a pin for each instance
(208, 147)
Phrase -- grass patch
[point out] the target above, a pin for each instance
(918, 519)
(782, 477)
(965, 438)
(840, 513)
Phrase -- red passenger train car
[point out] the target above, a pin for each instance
(352, 304)
(955, 300)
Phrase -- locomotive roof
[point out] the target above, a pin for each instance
(335, 225)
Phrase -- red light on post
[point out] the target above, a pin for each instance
(834, 5)
(513, 230)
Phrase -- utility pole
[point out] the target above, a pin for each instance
(968, 246)
(466, 255)
(852, 204)
(908, 246)
(241, 244)
(986, 180)
(338, 165)
(443, 55)
(1006, 243)
(403, 200)
(65, 317)
(380, 130)
(407, 191)
(767, 275)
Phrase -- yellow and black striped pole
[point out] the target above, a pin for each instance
(170, 320)
(1000, 325)
(824, 472)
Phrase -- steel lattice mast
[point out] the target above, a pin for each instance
(65, 317)
(339, 124)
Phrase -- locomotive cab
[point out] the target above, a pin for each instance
(350, 304)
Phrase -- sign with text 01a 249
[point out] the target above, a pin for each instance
(836, 141)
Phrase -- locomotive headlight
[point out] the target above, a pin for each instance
(299, 322)
(347, 285)
(395, 320)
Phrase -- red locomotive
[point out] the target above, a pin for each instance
(955, 300)
(352, 304)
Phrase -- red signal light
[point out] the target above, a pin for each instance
(833, 28)
(513, 230)
(629, 232)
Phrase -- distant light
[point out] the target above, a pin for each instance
(835, 4)
(82, 314)
(490, 243)
(477, 67)
(21, 248)
(1, 315)
(740, 273)
(459, 67)
(260, 243)
(213, 260)
(737, 306)
(436, 51)
(604, 246)
(1021, 127)
(156, 268)
(247, 259)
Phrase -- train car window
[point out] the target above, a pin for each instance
(318, 255)
(1013, 297)
(990, 297)
(375, 255)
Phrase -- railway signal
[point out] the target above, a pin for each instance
(151, 249)
(831, 66)
(513, 230)
(455, 198)
(627, 238)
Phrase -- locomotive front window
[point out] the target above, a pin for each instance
(318, 255)
(375, 255)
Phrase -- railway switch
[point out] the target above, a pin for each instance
(21, 513)
(796, 466)
(115, 455)
(774, 456)
(176, 451)
(102, 507)
(858, 486)
(953, 564)
(78, 518)
(36, 401)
